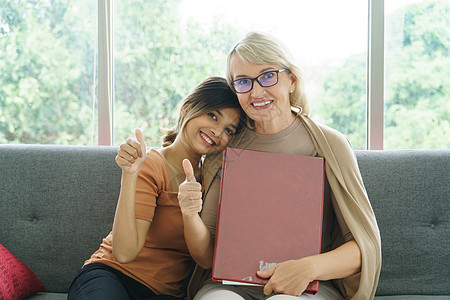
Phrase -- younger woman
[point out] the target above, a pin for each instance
(157, 229)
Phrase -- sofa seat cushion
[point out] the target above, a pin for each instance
(48, 296)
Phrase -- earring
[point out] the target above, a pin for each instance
(292, 91)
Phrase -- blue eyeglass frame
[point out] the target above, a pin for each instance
(233, 83)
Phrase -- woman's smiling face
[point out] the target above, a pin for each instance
(211, 132)
(268, 107)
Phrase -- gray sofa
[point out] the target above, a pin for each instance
(58, 202)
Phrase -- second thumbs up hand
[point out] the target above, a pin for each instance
(190, 192)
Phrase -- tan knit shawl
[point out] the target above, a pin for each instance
(347, 186)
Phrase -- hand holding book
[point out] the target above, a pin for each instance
(288, 277)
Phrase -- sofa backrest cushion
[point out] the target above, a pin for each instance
(410, 195)
(56, 205)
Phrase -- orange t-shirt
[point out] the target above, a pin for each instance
(164, 261)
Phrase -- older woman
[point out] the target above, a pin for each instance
(270, 90)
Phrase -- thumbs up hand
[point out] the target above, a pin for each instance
(131, 154)
(190, 192)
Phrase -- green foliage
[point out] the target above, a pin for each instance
(48, 61)
(44, 95)
(158, 62)
(417, 106)
(343, 102)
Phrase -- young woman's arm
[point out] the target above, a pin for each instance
(198, 238)
(199, 241)
(129, 233)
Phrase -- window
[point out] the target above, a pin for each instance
(48, 62)
(162, 48)
(417, 67)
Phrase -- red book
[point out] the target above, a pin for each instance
(270, 211)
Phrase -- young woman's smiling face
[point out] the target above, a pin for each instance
(269, 107)
(211, 132)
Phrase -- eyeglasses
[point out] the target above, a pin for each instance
(266, 79)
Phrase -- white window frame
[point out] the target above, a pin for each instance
(375, 74)
(105, 72)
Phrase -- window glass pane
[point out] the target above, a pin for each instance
(48, 72)
(417, 68)
(163, 48)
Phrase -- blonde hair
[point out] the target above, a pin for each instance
(258, 48)
(211, 94)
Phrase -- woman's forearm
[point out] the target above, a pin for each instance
(126, 242)
(199, 241)
(341, 262)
